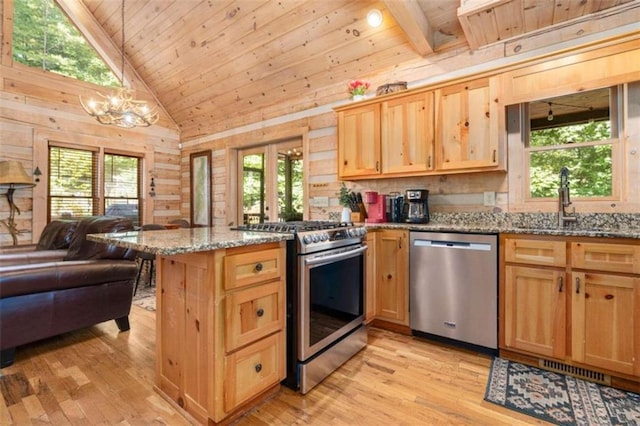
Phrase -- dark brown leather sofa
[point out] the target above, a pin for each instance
(93, 283)
(52, 246)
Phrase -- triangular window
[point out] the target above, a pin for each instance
(44, 38)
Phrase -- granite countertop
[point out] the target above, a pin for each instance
(186, 240)
(603, 225)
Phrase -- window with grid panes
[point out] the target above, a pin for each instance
(75, 189)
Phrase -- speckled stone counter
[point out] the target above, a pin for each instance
(191, 240)
(604, 225)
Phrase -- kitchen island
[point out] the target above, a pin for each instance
(220, 319)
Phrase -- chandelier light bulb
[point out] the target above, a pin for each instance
(374, 18)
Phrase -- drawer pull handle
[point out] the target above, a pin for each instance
(577, 285)
(260, 312)
(609, 296)
(258, 368)
(560, 284)
(259, 267)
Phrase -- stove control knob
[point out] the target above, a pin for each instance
(324, 237)
(307, 239)
(316, 238)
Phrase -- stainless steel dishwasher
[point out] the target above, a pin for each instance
(453, 281)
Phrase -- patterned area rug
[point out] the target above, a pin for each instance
(145, 297)
(557, 398)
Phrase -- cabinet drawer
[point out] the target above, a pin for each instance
(623, 258)
(535, 252)
(253, 313)
(253, 369)
(253, 267)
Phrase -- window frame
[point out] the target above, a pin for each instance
(616, 115)
(98, 184)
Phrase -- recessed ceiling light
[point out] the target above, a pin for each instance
(374, 18)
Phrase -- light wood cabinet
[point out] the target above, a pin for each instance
(370, 278)
(392, 273)
(408, 134)
(221, 327)
(467, 126)
(584, 310)
(535, 318)
(425, 131)
(359, 141)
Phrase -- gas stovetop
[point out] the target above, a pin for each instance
(313, 235)
(294, 227)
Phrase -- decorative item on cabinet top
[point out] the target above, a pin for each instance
(357, 89)
(385, 89)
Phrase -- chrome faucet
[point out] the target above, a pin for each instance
(564, 200)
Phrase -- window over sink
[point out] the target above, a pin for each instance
(578, 131)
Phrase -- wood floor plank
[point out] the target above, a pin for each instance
(101, 376)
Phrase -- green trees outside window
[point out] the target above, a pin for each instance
(44, 38)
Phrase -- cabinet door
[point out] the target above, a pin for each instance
(467, 127)
(359, 141)
(535, 310)
(605, 321)
(392, 275)
(408, 134)
(370, 289)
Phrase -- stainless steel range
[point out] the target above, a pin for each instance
(325, 297)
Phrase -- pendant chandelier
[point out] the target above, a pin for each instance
(119, 108)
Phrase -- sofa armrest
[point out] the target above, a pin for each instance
(18, 249)
(36, 278)
(31, 257)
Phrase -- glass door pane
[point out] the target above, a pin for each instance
(290, 183)
(252, 188)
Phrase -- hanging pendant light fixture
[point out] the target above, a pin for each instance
(119, 108)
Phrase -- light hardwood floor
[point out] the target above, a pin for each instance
(99, 376)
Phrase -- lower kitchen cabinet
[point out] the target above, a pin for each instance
(535, 310)
(370, 278)
(392, 275)
(221, 328)
(584, 311)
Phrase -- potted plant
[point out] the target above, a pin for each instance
(344, 198)
(358, 88)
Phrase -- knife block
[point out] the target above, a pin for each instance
(357, 217)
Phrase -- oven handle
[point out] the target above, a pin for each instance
(320, 260)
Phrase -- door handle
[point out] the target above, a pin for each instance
(560, 284)
(577, 285)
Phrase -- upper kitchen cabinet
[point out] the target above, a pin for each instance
(408, 134)
(467, 126)
(359, 141)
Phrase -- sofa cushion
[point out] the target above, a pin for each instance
(57, 235)
(83, 249)
(37, 278)
(30, 257)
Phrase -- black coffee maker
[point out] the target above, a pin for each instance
(416, 206)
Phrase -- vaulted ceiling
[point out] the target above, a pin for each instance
(219, 64)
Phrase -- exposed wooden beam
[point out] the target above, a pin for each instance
(410, 17)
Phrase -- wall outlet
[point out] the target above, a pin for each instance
(490, 198)
(320, 202)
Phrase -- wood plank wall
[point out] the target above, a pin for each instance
(37, 107)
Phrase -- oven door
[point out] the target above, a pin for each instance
(331, 298)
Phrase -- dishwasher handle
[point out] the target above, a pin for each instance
(462, 245)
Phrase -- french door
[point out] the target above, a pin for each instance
(270, 183)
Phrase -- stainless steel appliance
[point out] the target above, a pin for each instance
(453, 284)
(325, 297)
(416, 206)
(395, 208)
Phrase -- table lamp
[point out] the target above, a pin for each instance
(12, 177)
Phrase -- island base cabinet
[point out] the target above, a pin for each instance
(605, 321)
(220, 333)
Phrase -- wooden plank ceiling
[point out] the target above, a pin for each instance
(218, 64)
